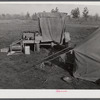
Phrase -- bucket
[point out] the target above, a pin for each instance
(27, 49)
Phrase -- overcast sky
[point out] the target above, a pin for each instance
(32, 8)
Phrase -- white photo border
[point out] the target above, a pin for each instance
(50, 93)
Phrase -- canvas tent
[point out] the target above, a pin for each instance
(87, 58)
(52, 26)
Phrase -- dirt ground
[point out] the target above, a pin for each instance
(20, 71)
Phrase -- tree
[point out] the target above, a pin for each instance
(85, 13)
(3, 15)
(34, 17)
(27, 15)
(52, 11)
(75, 13)
(55, 10)
(96, 17)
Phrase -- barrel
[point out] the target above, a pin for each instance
(27, 49)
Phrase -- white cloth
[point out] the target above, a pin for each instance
(38, 39)
(67, 36)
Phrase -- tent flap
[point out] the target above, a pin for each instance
(87, 58)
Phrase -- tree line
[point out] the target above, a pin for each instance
(26, 16)
(75, 14)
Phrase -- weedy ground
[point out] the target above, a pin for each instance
(20, 71)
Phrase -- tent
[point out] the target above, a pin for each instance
(52, 26)
(87, 58)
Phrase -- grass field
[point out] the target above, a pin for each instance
(11, 30)
(12, 68)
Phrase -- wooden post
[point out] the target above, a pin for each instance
(10, 48)
(38, 47)
(34, 47)
(24, 47)
(52, 44)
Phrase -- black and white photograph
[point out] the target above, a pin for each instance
(50, 45)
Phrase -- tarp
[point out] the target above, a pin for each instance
(52, 28)
(87, 58)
